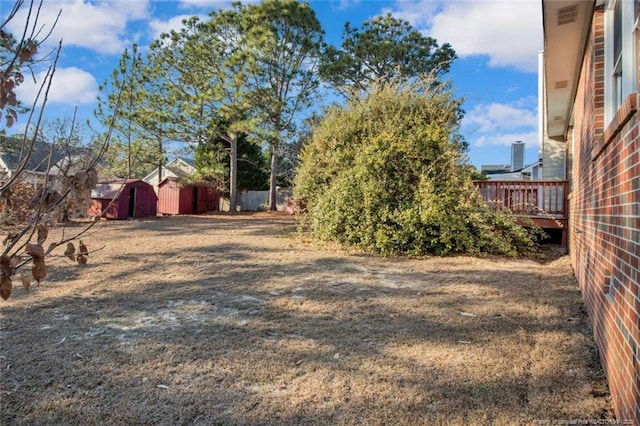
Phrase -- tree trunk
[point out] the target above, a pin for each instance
(159, 161)
(233, 171)
(129, 139)
(272, 180)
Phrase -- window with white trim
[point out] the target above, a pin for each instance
(621, 63)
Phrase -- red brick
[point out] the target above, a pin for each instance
(605, 166)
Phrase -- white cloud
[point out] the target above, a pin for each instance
(488, 118)
(71, 86)
(100, 26)
(509, 32)
(343, 5)
(202, 3)
(418, 13)
(210, 4)
(506, 139)
(158, 26)
(501, 124)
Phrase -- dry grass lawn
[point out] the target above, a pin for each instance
(236, 320)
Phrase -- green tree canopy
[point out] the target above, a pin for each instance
(253, 67)
(287, 38)
(141, 126)
(211, 63)
(384, 173)
(384, 50)
(212, 162)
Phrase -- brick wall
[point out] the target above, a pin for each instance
(604, 224)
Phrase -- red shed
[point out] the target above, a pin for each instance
(174, 198)
(121, 199)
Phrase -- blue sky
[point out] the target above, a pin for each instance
(497, 43)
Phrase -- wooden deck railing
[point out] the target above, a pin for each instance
(528, 197)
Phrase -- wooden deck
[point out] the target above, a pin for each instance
(544, 202)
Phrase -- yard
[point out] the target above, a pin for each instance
(237, 320)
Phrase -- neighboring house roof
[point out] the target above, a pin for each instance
(176, 168)
(189, 162)
(515, 175)
(13, 151)
(73, 163)
(176, 172)
(566, 28)
(495, 168)
(528, 167)
(181, 166)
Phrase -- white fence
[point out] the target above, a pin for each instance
(258, 200)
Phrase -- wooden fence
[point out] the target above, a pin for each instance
(526, 197)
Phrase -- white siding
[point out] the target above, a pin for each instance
(554, 159)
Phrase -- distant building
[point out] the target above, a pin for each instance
(528, 172)
(517, 156)
(515, 170)
(176, 168)
(42, 161)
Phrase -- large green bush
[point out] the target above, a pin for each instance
(385, 173)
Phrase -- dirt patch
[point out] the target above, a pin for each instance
(235, 320)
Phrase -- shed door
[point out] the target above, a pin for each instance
(132, 202)
(195, 199)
